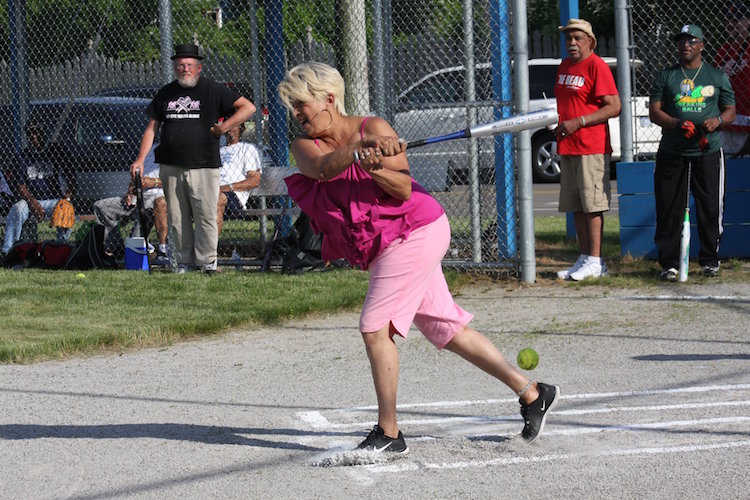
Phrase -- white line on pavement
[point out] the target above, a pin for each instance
(409, 466)
(645, 392)
(317, 420)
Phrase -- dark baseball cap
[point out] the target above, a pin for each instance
(690, 30)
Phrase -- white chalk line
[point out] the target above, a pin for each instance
(659, 450)
(644, 392)
(514, 419)
(318, 421)
(697, 298)
(647, 426)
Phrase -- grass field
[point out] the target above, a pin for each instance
(50, 314)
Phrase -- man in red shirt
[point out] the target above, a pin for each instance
(734, 58)
(586, 98)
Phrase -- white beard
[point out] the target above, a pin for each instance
(187, 82)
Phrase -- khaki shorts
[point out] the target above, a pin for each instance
(584, 183)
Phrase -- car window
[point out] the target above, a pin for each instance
(542, 81)
(443, 87)
(103, 125)
(448, 87)
(48, 115)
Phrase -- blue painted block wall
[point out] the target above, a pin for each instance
(635, 186)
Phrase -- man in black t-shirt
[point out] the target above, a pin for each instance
(190, 112)
(41, 180)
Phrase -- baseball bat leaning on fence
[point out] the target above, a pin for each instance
(515, 123)
(140, 207)
(271, 244)
(682, 274)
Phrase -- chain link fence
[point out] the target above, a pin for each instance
(725, 26)
(84, 73)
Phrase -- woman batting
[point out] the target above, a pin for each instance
(355, 185)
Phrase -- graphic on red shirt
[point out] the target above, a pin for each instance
(579, 90)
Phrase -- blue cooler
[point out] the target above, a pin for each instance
(136, 255)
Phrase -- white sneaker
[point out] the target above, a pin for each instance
(605, 271)
(209, 268)
(563, 275)
(588, 269)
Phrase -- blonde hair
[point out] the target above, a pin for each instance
(312, 81)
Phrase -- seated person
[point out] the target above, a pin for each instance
(41, 180)
(239, 173)
(6, 195)
(110, 212)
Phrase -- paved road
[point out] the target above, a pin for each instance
(656, 404)
(545, 199)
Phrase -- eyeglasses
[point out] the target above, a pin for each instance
(689, 41)
(186, 66)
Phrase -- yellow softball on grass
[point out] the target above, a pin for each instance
(80, 276)
(527, 358)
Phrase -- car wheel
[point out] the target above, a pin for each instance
(545, 162)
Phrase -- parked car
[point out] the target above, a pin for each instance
(102, 135)
(435, 105)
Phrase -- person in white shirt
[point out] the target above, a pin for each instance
(240, 172)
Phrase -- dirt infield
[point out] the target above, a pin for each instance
(656, 404)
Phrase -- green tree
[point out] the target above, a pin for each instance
(544, 15)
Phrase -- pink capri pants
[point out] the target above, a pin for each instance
(407, 286)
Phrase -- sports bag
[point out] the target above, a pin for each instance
(302, 248)
(22, 254)
(90, 254)
(54, 254)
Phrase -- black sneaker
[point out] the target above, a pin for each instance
(535, 414)
(710, 271)
(377, 441)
